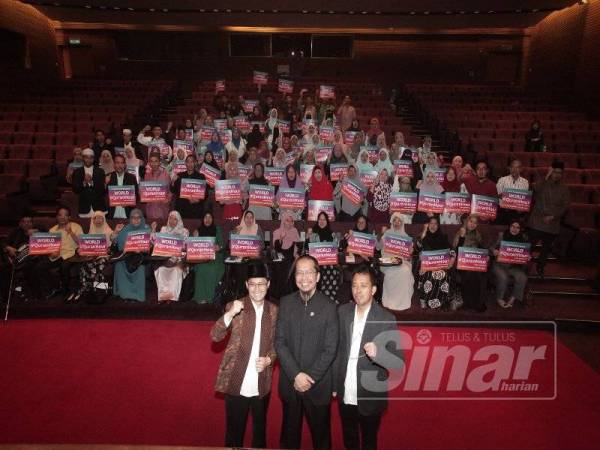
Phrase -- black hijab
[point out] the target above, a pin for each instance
(262, 180)
(508, 236)
(211, 230)
(254, 137)
(435, 241)
(325, 234)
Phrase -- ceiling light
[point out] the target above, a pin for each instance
(165, 10)
(426, 13)
(535, 10)
(331, 12)
(130, 9)
(412, 13)
(152, 9)
(363, 12)
(88, 6)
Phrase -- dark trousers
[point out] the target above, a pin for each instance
(317, 416)
(66, 269)
(353, 422)
(471, 289)
(547, 240)
(237, 408)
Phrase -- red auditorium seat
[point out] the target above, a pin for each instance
(65, 139)
(504, 134)
(17, 152)
(502, 145)
(498, 161)
(587, 147)
(28, 127)
(46, 127)
(524, 157)
(588, 161)
(8, 126)
(40, 167)
(22, 138)
(42, 152)
(14, 166)
(544, 159)
(592, 176)
(10, 183)
(63, 154)
(30, 116)
(578, 193)
(582, 215)
(11, 116)
(44, 138)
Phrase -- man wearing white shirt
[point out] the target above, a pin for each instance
(512, 181)
(246, 368)
(369, 346)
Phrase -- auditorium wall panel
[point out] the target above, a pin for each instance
(564, 54)
(41, 51)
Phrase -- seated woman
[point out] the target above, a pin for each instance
(247, 227)
(435, 287)
(379, 198)
(208, 274)
(290, 180)
(170, 275)
(232, 211)
(428, 185)
(330, 275)
(92, 272)
(319, 186)
(398, 282)
(284, 242)
(403, 184)
(130, 279)
(470, 283)
(451, 184)
(503, 272)
(258, 177)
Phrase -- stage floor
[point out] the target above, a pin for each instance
(150, 382)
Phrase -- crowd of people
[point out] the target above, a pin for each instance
(308, 142)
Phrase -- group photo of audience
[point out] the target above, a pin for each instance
(306, 144)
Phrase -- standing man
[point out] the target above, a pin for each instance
(369, 346)
(88, 183)
(247, 366)
(550, 203)
(120, 178)
(306, 342)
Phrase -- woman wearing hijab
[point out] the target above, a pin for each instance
(534, 139)
(254, 137)
(258, 177)
(290, 180)
(363, 164)
(379, 198)
(215, 147)
(345, 209)
(457, 164)
(284, 240)
(92, 271)
(384, 162)
(237, 143)
(450, 184)
(398, 282)
(309, 156)
(133, 164)
(503, 272)
(130, 285)
(471, 283)
(361, 225)
(106, 162)
(330, 275)
(232, 211)
(178, 162)
(271, 123)
(247, 227)
(428, 185)
(208, 274)
(169, 277)
(280, 159)
(320, 187)
(403, 184)
(435, 287)
(338, 139)
(373, 132)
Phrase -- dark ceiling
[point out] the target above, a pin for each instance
(427, 14)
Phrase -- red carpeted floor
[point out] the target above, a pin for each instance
(151, 382)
